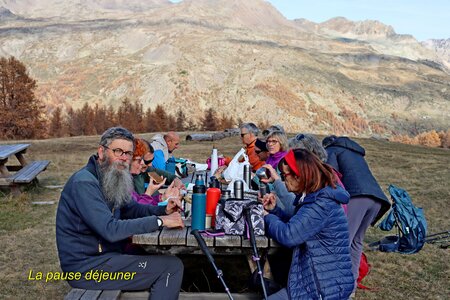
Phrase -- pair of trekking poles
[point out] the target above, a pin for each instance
(256, 258)
(441, 238)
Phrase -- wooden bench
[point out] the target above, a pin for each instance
(25, 175)
(28, 173)
(80, 294)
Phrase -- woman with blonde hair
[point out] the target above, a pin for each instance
(277, 145)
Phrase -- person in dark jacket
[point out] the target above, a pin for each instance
(96, 215)
(317, 232)
(367, 202)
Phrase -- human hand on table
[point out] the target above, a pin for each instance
(172, 221)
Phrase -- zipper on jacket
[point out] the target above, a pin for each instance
(289, 274)
(100, 250)
(316, 280)
(167, 279)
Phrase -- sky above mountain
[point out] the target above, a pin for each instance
(422, 19)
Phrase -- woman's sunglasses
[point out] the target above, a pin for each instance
(147, 162)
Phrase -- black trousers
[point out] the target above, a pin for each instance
(161, 275)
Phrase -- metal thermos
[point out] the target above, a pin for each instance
(212, 198)
(262, 189)
(226, 194)
(247, 175)
(238, 189)
(199, 204)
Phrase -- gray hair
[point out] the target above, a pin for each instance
(251, 127)
(281, 138)
(114, 133)
(310, 143)
(273, 128)
(117, 185)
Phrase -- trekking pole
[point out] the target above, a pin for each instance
(437, 239)
(248, 218)
(439, 233)
(205, 250)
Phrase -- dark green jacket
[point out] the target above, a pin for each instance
(141, 179)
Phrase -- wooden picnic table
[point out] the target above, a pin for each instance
(13, 176)
(181, 241)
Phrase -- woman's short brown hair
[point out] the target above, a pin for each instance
(313, 174)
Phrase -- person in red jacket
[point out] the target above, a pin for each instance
(249, 134)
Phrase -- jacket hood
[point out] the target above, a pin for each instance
(159, 143)
(345, 142)
(338, 194)
(159, 139)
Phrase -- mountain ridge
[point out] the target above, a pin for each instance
(240, 58)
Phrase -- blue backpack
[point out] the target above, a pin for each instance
(410, 222)
(177, 166)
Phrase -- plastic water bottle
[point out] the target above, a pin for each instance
(199, 204)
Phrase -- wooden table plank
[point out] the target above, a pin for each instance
(110, 295)
(261, 242)
(8, 150)
(74, 294)
(172, 237)
(150, 238)
(228, 241)
(29, 172)
(192, 242)
(91, 294)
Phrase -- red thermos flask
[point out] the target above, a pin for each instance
(212, 198)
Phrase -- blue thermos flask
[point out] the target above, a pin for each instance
(199, 204)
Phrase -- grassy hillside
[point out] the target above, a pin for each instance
(27, 231)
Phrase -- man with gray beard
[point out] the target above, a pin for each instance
(96, 215)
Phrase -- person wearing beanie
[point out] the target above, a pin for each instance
(261, 150)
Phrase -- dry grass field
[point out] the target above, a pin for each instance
(27, 231)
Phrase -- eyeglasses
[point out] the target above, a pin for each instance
(284, 175)
(119, 152)
(147, 162)
(243, 134)
(271, 142)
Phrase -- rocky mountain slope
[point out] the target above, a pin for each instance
(441, 48)
(240, 57)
